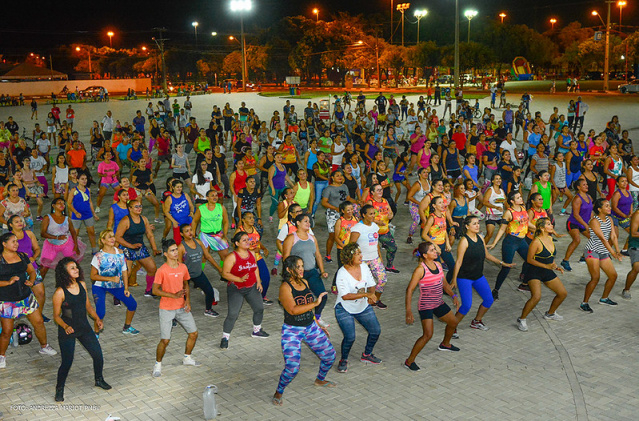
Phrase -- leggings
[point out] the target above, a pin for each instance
(45, 184)
(316, 284)
(447, 257)
(339, 266)
(67, 351)
(466, 292)
(388, 242)
(236, 297)
(346, 321)
(379, 273)
(275, 200)
(99, 295)
(265, 276)
(509, 247)
(317, 341)
(278, 257)
(202, 282)
(414, 212)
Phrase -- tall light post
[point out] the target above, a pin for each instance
(553, 21)
(456, 73)
(379, 79)
(242, 6)
(502, 15)
(606, 84)
(110, 35)
(316, 13)
(195, 25)
(419, 14)
(391, 22)
(470, 14)
(621, 4)
(402, 7)
(78, 49)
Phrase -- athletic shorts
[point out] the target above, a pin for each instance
(574, 225)
(164, 158)
(634, 255)
(331, 219)
(439, 312)
(77, 223)
(181, 316)
(499, 221)
(623, 223)
(114, 186)
(136, 254)
(594, 255)
(181, 175)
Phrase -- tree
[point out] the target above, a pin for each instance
(424, 54)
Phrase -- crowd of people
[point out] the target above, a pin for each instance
(361, 165)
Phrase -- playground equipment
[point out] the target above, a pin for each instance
(521, 69)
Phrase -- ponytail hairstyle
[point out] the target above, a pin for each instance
(292, 208)
(290, 265)
(433, 202)
(237, 237)
(577, 183)
(531, 199)
(364, 210)
(285, 192)
(583, 163)
(511, 197)
(539, 226)
(5, 238)
(466, 223)
(343, 206)
(596, 207)
(422, 250)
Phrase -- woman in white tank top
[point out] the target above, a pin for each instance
(494, 200)
(60, 176)
(633, 181)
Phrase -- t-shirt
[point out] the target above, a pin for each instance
(346, 284)
(109, 169)
(132, 194)
(368, 239)
(138, 122)
(43, 145)
(249, 200)
(36, 164)
(171, 280)
(143, 177)
(180, 163)
(202, 188)
(123, 151)
(76, 157)
(109, 264)
(335, 194)
(162, 145)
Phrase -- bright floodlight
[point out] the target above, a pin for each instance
(420, 13)
(110, 34)
(76, 49)
(213, 34)
(470, 13)
(621, 3)
(315, 11)
(553, 20)
(195, 24)
(241, 5)
(594, 13)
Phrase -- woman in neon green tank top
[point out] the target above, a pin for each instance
(544, 188)
(214, 224)
(304, 191)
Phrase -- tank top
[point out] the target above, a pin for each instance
(118, 214)
(518, 227)
(383, 212)
(135, 233)
(437, 231)
(624, 204)
(136, 154)
(74, 313)
(585, 211)
(13, 208)
(279, 178)
(284, 219)
(180, 164)
(254, 241)
(496, 199)
(430, 288)
(58, 229)
(594, 243)
(436, 174)
(250, 164)
(635, 179)
(536, 216)
(546, 193)
(424, 162)
(560, 175)
(451, 161)
(541, 162)
(300, 297)
(240, 181)
(616, 166)
(421, 193)
(302, 195)
(312, 159)
(211, 221)
(242, 267)
(61, 175)
(575, 163)
(304, 249)
(81, 203)
(473, 262)
(193, 259)
(592, 188)
(344, 232)
(288, 153)
(25, 246)
(474, 172)
(180, 209)
(339, 150)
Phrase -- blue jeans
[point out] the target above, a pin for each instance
(509, 247)
(99, 296)
(316, 284)
(319, 188)
(346, 321)
(447, 257)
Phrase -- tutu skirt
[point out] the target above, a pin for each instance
(53, 253)
(215, 241)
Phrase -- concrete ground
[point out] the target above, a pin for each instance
(581, 368)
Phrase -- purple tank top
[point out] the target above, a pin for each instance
(372, 150)
(279, 178)
(585, 211)
(625, 203)
(26, 247)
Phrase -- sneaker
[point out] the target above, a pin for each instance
(232, 225)
(626, 294)
(478, 324)
(444, 265)
(174, 323)
(392, 269)
(273, 271)
(495, 295)
(523, 288)
(406, 203)
(328, 259)
(157, 220)
(267, 302)
(260, 334)
(625, 253)
(563, 211)
(188, 360)
(3, 361)
(370, 358)
(455, 335)
(566, 265)
(211, 313)
(224, 343)
(45, 319)
(97, 209)
(270, 219)
(381, 305)
(522, 325)
(342, 367)
(47, 350)
(582, 259)
(553, 316)
(39, 218)
(452, 347)
(334, 289)
(323, 324)
(130, 331)
(148, 294)
(409, 240)
(585, 307)
(607, 301)
(412, 366)
(157, 370)
(117, 302)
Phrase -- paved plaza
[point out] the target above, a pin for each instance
(582, 368)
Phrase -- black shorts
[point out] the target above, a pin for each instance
(181, 175)
(454, 173)
(439, 312)
(544, 275)
(495, 221)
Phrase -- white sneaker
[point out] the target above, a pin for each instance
(97, 210)
(157, 370)
(3, 361)
(522, 325)
(158, 220)
(47, 350)
(554, 316)
(323, 324)
(188, 360)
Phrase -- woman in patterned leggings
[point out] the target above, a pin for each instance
(300, 326)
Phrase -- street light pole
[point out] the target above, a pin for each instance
(392, 29)
(195, 24)
(621, 5)
(607, 53)
(402, 7)
(419, 14)
(470, 14)
(456, 75)
(242, 6)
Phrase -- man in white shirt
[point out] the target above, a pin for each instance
(107, 125)
(187, 107)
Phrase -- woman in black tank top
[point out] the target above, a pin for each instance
(70, 307)
(299, 326)
(469, 272)
(591, 179)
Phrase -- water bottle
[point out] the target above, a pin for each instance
(14, 338)
(210, 408)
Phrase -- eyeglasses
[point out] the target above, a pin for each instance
(137, 207)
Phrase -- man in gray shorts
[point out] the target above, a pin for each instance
(172, 286)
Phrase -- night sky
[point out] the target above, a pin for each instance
(39, 26)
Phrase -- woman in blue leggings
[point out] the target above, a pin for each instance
(469, 272)
(300, 326)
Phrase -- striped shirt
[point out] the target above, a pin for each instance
(431, 288)
(594, 243)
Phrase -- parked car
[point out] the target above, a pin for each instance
(92, 91)
(445, 79)
(632, 87)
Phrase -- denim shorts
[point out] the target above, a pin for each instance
(594, 255)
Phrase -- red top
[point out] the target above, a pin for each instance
(240, 181)
(460, 140)
(162, 145)
(132, 194)
(242, 267)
